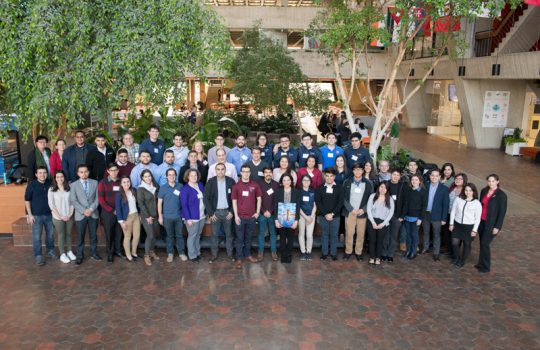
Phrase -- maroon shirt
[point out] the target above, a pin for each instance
(125, 169)
(107, 190)
(246, 194)
(267, 201)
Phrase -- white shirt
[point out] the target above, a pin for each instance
(230, 171)
(466, 213)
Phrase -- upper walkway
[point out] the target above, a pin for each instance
(520, 178)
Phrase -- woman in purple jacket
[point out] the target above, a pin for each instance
(193, 214)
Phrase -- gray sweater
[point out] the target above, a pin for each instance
(378, 210)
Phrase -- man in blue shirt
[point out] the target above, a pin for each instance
(39, 214)
(285, 150)
(161, 170)
(436, 212)
(330, 151)
(180, 152)
(307, 149)
(356, 153)
(169, 215)
(240, 154)
(144, 163)
(153, 145)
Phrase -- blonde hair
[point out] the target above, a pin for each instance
(202, 146)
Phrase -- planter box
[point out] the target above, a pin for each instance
(513, 149)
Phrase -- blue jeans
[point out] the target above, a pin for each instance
(42, 221)
(174, 228)
(329, 232)
(81, 228)
(270, 222)
(244, 234)
(412, 236)
(390, 242)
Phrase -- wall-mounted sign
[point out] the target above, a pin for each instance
(496, 105)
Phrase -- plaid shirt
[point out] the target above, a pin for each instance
(107, 194)
(133, 153)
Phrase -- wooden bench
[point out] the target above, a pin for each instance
(529, 152)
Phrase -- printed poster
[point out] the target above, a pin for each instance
(286, 214)
(496, 105)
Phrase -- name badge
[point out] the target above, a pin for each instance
(305, 198)
(229, 191)
(270, 191)
(156, 150)
(394, 197)
(260, 173)
(245, 193)
(199, 195)
(205, 163)
(311, 174)
(284, 154)
(176, 192)
(305, 155)
(357, 190)
(330, 155)
(116, 188)
(244, 157)
(329, 190)
(353, 157)
(263, 154)
(136, 155)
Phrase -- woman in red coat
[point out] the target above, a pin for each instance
(56, 156)
(312, 171)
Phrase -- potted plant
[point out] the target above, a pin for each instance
(514, 142)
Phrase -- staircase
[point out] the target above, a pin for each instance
(520, 33)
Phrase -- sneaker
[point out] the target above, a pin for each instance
(96, 257)
(309, 257)
(302, 256)
(183, 257)
(260, 256)
(169, 258)
(212, 260)
(52, 255)
(71, 256)
(40, 260)
(64, 258)
(153, 255)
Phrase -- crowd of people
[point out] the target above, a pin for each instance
(285, 190)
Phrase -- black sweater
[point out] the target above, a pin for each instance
(413, 202)
(397, 190)
(295, 198)
(329, 202)
(97, 162)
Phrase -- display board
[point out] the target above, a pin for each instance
(496, 105)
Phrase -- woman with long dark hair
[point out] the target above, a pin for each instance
(306, 222)
(312, 171)
(266, 148)
(447, 174)
(370, 173)
(127, 214)
(340, 167)
(62, 213)
(494, 202)
(284, 167)
(413, 207)
(147, 201)
(454, 191)
(464, 221)
(286, 194)
(380, 208)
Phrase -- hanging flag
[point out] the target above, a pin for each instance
(533, 2)
(396, 14)
(376, 42)
(443, 24)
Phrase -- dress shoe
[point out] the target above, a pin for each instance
(238, 264)
(135, 258)
(436, 258)
(359, 257)
(78, 261)
(195, 261)
(130, 259)
(96, 257)
(274, 256)
(212, 260)
(110, 259)
(147, 260)
(252, 259)
(413, 256)
(334, 257)
(324, 257)
(346, 256)
(260, 256)
(483, 271)
(390, 259)
(477, 266)
(424, 251)
(120, 255)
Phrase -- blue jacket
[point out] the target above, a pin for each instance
(69, 161)
(439, 210)
(190, 202)
(122, 208)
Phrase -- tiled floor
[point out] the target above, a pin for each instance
(306, 305)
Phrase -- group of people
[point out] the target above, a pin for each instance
(285, 190)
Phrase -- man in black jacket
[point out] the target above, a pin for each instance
(99, 157)
(436, 211)
(39, 156)
(329, 200)
(217, 200)
(356, 191)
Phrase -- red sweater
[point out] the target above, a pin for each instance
(55, 162)
(316, 179)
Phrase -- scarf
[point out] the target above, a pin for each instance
(149, 188)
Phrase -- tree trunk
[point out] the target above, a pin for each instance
(342, 92)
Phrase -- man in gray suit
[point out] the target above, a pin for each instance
(84, 198)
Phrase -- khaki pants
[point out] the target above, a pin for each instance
(352, 225)
(133, 227)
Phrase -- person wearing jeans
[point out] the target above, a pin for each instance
(306, 224)
(267, 215)
(329, 200)
(169, 215)
(84, 198)
(62, 212)
(39, 214)
(192, 199)
(413, 205)
(218, 203)
(246, 200)
(436, 212)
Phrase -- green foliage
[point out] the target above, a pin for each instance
(514, 138)
(398, 161)
(68, 57)
(232, 124)
(263, 72)
(313, 99)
